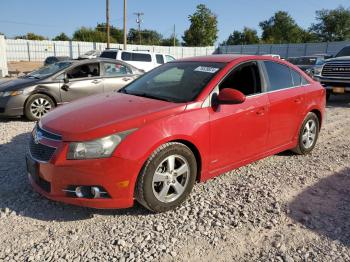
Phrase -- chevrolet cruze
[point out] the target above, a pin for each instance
(186, 121)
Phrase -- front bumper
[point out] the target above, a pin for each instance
(12, 105)
(116, 175)
(330, 83)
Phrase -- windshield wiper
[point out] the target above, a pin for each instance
(151, 96)
(36, 77)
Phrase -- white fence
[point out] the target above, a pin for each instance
(29, 50)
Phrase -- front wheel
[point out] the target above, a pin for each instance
(167, 177)
(308, 134)
(37, 106)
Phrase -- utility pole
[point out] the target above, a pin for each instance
(125, 25)
(139, 21)
(174, 36)
(107, 24)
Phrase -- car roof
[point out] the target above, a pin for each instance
(222, 58)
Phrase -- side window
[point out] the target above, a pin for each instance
(304, 81)
(160, 59)
(169, 58)
(112, 69)
(296, 77)
(139, 57)
(245, 78)
(86, 70)
(126, 56)
(109, 54)
(279, 76)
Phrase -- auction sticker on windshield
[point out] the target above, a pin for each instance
(206, 69)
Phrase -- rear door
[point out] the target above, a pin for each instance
(286, 96)
(116, 75)
(84, 80)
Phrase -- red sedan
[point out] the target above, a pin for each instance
(186, 121)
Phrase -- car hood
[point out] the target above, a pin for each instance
(16, 84)
(101, 115)
(342, 58)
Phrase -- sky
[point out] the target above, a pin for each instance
(49, 17)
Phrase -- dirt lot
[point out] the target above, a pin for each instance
(23, 66)
(283, 208)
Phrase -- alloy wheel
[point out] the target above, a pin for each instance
(309, 133)
(171, 178)
(40, 107)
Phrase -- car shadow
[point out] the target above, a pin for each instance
(18, 198)
(339, 101)
(325, 207)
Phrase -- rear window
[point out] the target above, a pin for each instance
(279, 76)
(109, 54)
(137, 57)
(141, 57)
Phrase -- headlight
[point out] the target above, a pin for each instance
(11, 93)
(318, 70)
(99, 148)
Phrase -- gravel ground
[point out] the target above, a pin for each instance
(283, 208)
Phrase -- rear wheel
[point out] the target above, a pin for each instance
(37, 106)
(308, 134)
(167, 177)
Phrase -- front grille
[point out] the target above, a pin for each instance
(40, 152)
(42, 183)
(47, 134)
(338, 69)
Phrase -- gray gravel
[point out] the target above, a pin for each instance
(283, 208)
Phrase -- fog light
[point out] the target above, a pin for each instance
(79, 192)
(95, 191)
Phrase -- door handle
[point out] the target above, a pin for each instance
(297, 100)
(126, 79)
(96, 81)
(260, 111)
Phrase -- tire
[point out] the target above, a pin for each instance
(308, 134)
(160, 187)
(37, 106)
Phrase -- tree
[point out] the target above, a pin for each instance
(170, 42)
(31, 36)
(90, 35)
(148, 37)
(281, 28)
(203, 30)
(333, 25)
(115, 33)
(246, 37)
(61, 37)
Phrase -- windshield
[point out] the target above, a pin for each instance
(344, 52)
(49, 70)
(92, 52)
(175, 81)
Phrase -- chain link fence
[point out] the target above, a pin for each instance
(285, 50)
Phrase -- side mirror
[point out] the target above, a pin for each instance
(229, 96)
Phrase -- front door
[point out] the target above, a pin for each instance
(83, 80)
(239, 132)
